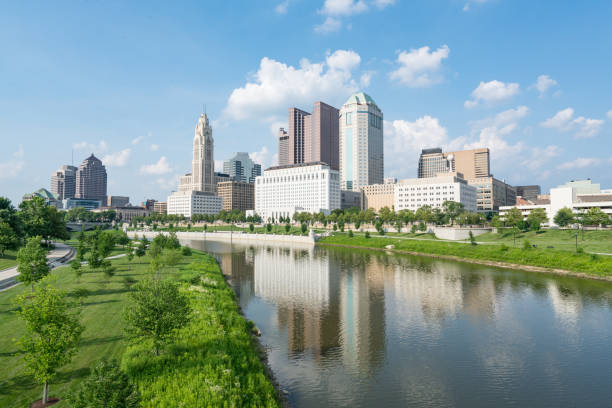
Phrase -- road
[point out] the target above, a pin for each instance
(58, 256)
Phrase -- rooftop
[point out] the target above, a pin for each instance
(289, 166)
(360, 98)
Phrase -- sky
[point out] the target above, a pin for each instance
(127, 81)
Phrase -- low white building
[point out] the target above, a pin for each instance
(284, 190)
(411, 194)
(578, 195)
(189, 203)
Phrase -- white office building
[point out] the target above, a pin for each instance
(361, 143)
(284, 190)
(189, 203)
(577, 195)
(411, 194)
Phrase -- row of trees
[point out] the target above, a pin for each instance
(80, 214)
(32, 218)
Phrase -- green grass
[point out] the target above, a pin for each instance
(8, 260)
(547, 258)
(218, 333)
(564, 240)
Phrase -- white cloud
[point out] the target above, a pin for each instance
(264, 157)
(282, 7)
(540, 156)
(276, 86)
(91, 147)
(543, 84)
(491, 92)
(154, 147)
(330, 25)
(582, 127)
(161, 167)
(117, 159)
(609, 114)
(365, 79)
(168, 183)
(501, 119)
(404, 141)
(343, 7)
(383, 3)
(419, 67)
(137, 140)
(13, 166)
(470, 2)
(580, 163)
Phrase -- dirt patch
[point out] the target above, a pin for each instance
(39, 404)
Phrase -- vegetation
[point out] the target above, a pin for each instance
(547, 258)
(52, 333)
(32, 262)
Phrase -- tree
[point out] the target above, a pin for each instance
(287, 228)
(41, 219)
(513, 217)
(129, 251)
(52, 333)
(594, 216)
(472, 239)
(269, 227)
(157, 309)
(304, 228)
(172, 257)
(452, 209)
(172, 242)
(76, 268)
(251, 227)
(564, 217)
(107, 386)
(496, 221)
(8, 237)
(536, 218)
(32, 262)
(141, 250)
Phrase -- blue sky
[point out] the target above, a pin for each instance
(127, 81)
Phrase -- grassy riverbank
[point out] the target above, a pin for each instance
(8, 260)
(213, 360)
(564, 240)
(546, 258)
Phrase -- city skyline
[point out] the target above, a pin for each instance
(438, 87)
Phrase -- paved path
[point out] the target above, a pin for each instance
(58, 256)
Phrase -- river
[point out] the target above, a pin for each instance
(358, 328)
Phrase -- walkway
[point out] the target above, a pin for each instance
(58, 256)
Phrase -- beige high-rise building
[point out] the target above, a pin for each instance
(471, 163)
(283, 147)
(492, 193)
(237, 195)
(91, 180)
(63, 182)
(160, 207)
(321, 141)
(202, 176)
(377, 196)
(299, 126)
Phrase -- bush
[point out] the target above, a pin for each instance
(413, 230)
(367, 234)
(472, 239)
(526, 245)
(304, 228)
(503, 247)
(106, 386)
(350, 233)
(186, 251)
(580, 250)
(287, 228)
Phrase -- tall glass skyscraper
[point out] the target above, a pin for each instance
(361, 143)
(242, 168)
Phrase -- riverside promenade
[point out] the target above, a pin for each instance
(227, 236)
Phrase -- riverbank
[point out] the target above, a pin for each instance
(226, 236)
(213, 361)
(533, 259)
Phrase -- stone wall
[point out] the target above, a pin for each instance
(226, 236)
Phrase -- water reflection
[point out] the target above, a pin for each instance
(359, 328)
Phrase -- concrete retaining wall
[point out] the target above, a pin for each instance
(457, 234)
(230, 237)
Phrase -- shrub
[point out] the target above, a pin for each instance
(350, 233)
(526, 245)
(367, 234)
(503, 247)
(580, 250)
(413, 230)
(251, 227)
(335, 227)
(287, 228)
(304, 228)
(472, 239)
(186, 251)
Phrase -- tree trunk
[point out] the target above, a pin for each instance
(45, 397)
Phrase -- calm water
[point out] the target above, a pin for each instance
(359, 328)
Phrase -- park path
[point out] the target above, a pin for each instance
(58, 256)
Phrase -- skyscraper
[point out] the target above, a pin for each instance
(241, 168)
(321, 140)
(361, 143)
(91, 180)
(299, 126)
(202, 176)
(283, 147)
(63, 182)
(473, 163)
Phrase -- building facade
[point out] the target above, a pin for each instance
(160, 207)
(284, 190)
(298, 128)
(492, 193)
(412, 194)
(117, 201)
(529, 193)
(63, 182)
(127, 214)
(91, 180)
(377, 196)
(202, 176)
(350, 199)
(321, 139)
(148, 204)
(189, 203)
(283, 147)
(85, 203)
(241, 168)
(49, 197)
(361, 155)
(237, 195)
(472, 164)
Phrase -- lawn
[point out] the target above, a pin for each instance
(8, 260)
(542, 257)
(565, 240)
(217, 337)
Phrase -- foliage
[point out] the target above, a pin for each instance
(513, 217)
(287, 228)
(32, 262)
(8, 238)
(304, 228)
(75, 264)
(564, 217)
(107, 386)
(268, 227)
(595, 216)
(526, 244)
(157, 309)
(141, 249)
(472, 239)
(536, 218)
(40, 219)
(251, 227)
(52, 332)
(350, 233)
(367, 234)
(186, 251)
(452, 209)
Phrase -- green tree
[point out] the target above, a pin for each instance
(287, 228)
(496, 221)
(107, 386)
(76, 268)
(251, 227)
(156, 310)
(452, 209)
(172, 257)
(32, 262)
(172, 242)
(513, 217)
(8, 237)
(269, 227)
(52, 333)
(595, 216)
(304, 228)
(141, 249)
(472, 239)
(564, 217)
(40, 219)
(536, 218)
